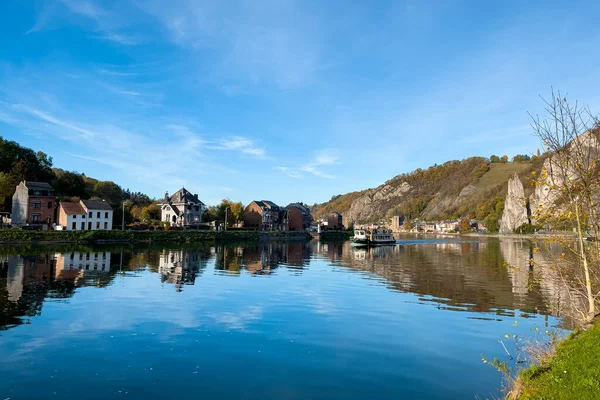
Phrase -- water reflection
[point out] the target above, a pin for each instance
(345, 320)
(481, 276)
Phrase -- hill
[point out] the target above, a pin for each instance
(474, 187)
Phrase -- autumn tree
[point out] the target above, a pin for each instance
(494, 158)
(504, 159)
(150, 213)
(567, 191)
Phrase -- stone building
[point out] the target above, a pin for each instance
(33, 204)
(182, 209)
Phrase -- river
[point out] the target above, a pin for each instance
(270, 320)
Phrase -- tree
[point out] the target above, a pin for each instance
(237, 211)
(504, 159)
(109, 191)
(70, 184)
(494, 158)
(465, 225)
(406, 225)
(19, 163)
(521, 158)
(569, 185)
(150, 213)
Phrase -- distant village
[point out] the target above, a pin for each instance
(35, 206)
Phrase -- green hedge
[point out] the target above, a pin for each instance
(25, 236)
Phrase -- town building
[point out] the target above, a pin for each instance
(99, 214)
(87, 215)
(335, 221)
(33, 204)
(296, 217)
(263, 214)
(182, 209)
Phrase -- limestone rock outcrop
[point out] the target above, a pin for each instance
(515, 209)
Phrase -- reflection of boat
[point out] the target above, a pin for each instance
(374, 238)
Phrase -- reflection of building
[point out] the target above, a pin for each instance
(71, 266)
(179, 267)
(23, 271)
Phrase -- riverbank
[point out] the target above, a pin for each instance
(16, 236)
(572, 373)
(332, 235)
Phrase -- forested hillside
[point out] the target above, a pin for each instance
(18, 163)
(474, 188)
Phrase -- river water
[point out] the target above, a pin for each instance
(268, 321)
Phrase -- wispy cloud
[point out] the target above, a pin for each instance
(323, 158)
(241, 144)
(290, 172)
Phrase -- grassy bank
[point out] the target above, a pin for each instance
(572, 373)
(15, 236)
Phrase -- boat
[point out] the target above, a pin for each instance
(374, 238)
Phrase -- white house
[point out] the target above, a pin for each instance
(182, 209)
(87, 215)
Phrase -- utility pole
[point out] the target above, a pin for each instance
(226, 217)
(123, 218)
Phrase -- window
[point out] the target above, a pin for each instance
(36, 217)
(106, 214)
(74, 226)
(37, 204)
(83, 216)
(98, 214)
(49, 204)
(75, 216)
(106, 225)
(87, 256)
(91, 215)
(72, 256)
(89, 226)
(97, 225)
(83, 226)
(197, 208)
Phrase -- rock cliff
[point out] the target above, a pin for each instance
(515, 209)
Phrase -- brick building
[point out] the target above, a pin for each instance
(33, 204)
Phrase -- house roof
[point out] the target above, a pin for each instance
(270, 204)
(71, 208)
(175, 209)
(305, 210)
(96, 205)
(38, 185)
(184, 196)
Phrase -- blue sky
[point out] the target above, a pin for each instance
(284, 100)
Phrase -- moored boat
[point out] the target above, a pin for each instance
(374, 238)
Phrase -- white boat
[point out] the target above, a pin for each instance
(374, 238)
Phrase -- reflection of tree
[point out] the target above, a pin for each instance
(472, 275)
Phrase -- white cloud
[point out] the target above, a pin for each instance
(241, 144)
(290, 172)
(322, 158)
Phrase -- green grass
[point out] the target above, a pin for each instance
(573, 372)
(499, 174)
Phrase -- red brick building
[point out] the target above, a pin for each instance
(33, 204)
